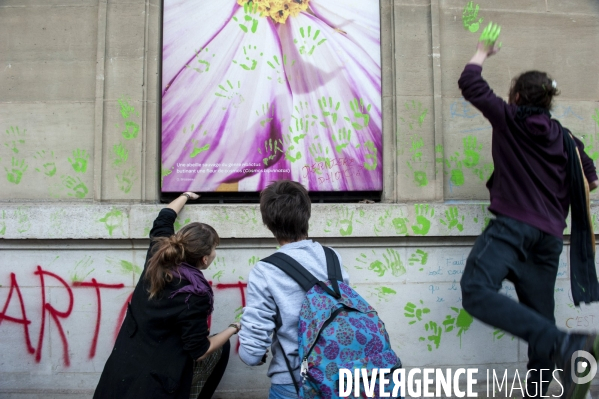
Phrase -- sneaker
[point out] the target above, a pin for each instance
(563, 360)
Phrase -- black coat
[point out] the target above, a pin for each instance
(159, 340)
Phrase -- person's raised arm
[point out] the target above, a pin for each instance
(178, 203)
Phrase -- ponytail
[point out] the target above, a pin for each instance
(189, 245)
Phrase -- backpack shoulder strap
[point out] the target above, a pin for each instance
(333, 268)
(286, 263)
(297, 272)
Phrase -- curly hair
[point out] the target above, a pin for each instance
(534, 88)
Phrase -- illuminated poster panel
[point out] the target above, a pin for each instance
(254, 91)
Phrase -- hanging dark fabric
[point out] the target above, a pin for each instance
(583, 276)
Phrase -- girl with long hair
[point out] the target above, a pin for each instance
(164, 348)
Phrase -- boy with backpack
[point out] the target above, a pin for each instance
(281, 297)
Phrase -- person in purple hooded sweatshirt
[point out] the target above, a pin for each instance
(164, 348)
(531, 193)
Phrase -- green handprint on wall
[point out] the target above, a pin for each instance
(471, 151)
(360, 111)
(15, 137)
(204, 65)
(14, 174)
(120, 154)
(412, 311)
(391, 261)
(164, 172)
(400, 224)
(455, 171)
(131, 130)
(125, 108)
(370, 155)
(251, 13)
(250, 54)
(346, 221)
(591, 146)
(329, 109)
(424, 213)
(271, 149)
(77, 187)
(79, 160)
(126, 179)
(469, 17)
(435, 337)
(231, 92)
(308, 43)
(320, 154)
(290, 142)
(23, 222)
(178, 224)
(462, 322)
(48, 168)
(3, 224)
(416, 114)
(419, 257)
(342, 139)
(452, 219)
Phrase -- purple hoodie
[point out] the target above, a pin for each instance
(529, 179)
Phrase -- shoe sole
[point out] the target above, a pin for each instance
(579, 391)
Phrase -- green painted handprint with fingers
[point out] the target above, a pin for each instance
(126, 109)
(320, 154)
(424, 214)
(271, 149)
(591, 146)
(452, 219)
(412, 311)
(49, 166)
(370, 155)
(456, 173)
(346, 222)
(79, 160)
(309, 40)
(435, 337)
(250, 58)
(14, 174)
(415, 114)
(462, 322)
(16, 137)
(361, 117)
(342, 139)
(204, 65)
(120, 154)
(329, 109)
(126, 179)
(77, 188)
(400, 224)
(470, 17)
(419, 257)
(249, 22)
(471, 151)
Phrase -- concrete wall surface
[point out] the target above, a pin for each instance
(80, 181)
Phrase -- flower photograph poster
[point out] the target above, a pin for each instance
(255, 91)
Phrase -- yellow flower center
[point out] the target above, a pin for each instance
(277, 10)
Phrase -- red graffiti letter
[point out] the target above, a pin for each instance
(24, 320)
(97, 286)
(241, 286)
(55, 314)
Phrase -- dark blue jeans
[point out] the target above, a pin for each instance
(529, 258)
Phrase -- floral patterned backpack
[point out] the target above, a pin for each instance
(337, 329)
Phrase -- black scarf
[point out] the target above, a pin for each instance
(583, 276)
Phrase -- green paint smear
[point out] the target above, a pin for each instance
(112, 220)
(129, 267)
(387, 291)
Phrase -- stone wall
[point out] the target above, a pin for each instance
(81, 176)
